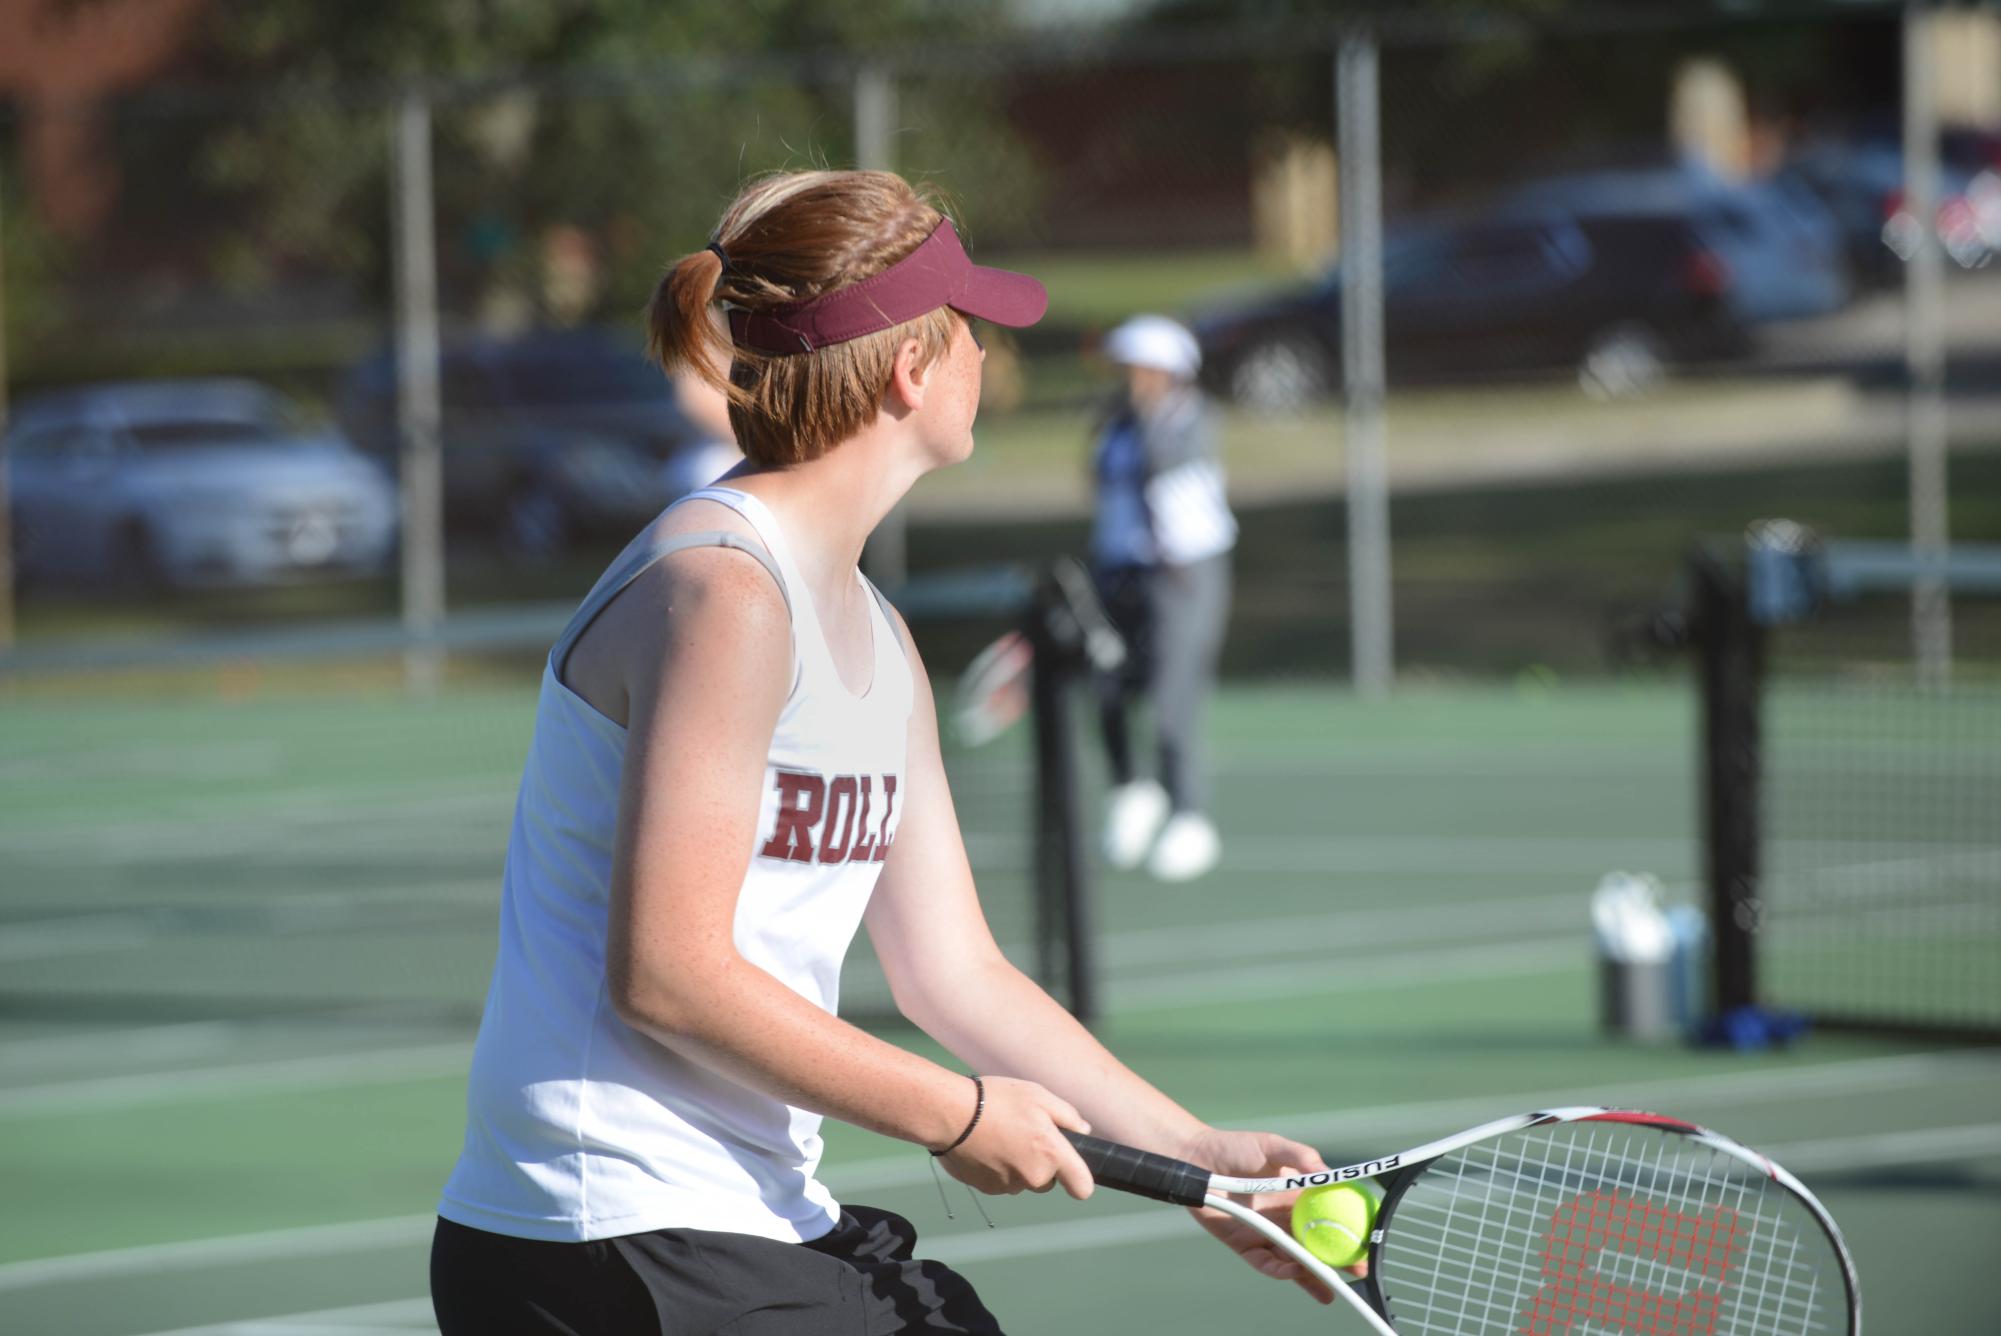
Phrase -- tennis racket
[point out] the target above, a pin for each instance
(992, 693)
(1567, 1222)
(1099, 639)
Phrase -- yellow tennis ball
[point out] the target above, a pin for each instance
(1333, 1222)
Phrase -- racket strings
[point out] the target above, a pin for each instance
(1567, 1292)
(1599, 1228)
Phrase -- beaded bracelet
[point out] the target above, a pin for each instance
(979, 1107)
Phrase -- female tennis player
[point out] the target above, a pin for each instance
(735, 763)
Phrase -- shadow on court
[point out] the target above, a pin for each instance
(231, 1080)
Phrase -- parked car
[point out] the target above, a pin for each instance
(1782, 245)
(1612, 299)
(1975, 153)
(549, 437)
(187, 483)
(1861, 180)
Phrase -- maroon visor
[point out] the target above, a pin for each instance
(936, 274)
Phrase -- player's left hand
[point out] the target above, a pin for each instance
(1260, 1155)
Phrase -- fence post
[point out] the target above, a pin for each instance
(1924, 351)
(418, 409)
(887, 555)
(1358, 120)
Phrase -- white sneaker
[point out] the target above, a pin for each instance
(1132, 819)
(1187, 848)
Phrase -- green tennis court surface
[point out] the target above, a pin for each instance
(243, 945)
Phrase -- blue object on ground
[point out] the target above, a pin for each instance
(1754, 1029)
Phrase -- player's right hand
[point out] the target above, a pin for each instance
(1019, 1143)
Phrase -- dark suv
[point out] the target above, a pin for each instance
(549, 438)
(1612, 298)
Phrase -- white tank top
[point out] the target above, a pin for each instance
(580, 1127)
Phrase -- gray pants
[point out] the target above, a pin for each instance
(1174, 618)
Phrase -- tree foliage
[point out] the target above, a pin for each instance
(1474, 103)
(625, 125)
(29, 258)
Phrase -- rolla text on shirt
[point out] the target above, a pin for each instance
(830, 820)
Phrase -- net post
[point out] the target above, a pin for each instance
(1731, 655)
(1062, 875)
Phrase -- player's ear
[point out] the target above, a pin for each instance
(909, 377)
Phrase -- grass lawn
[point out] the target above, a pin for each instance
(1097, 289)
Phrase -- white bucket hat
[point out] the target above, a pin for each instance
(1157, 342)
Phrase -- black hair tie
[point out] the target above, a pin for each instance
(715, 248)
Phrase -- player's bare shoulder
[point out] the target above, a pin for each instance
(697, 603)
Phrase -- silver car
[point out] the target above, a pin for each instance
(190, 483)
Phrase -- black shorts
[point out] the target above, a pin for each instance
(859, 1279)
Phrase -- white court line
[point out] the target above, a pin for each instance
(78, 935)
(89, 933)
(1890, 1148)
(1188, 945)
(285, 1076)
(1513, 957)
(229, 1250)
(259, 758)
(1150, 1226)
(1261, 937)
(1303, 979)
(1317, 977)
(1418, 851)
(417, 825)
(1587, 763)
(399, 1318)
(1500, 960)
(1737, 1089)
(390, 833)
(111, 1048)
(1203, 968)
(250, 823)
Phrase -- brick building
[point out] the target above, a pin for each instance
(57, 59)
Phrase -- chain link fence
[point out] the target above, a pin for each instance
(1643, 276)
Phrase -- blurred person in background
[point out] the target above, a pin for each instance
(735, 764)
(1160, 552)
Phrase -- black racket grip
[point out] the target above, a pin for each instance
(1141, 1172)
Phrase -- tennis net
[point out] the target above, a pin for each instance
(272, 837)
(1854, 783)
